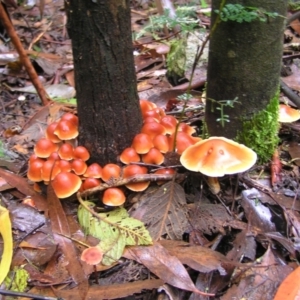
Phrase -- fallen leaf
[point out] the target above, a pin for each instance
(167, 267)
(61, 231)
(22, 185)
(164, 211)
(112, 291)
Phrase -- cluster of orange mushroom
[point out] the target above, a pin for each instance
(57, 159)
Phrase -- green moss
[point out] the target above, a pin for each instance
(261, 132)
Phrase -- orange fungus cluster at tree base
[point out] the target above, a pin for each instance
(56, 159)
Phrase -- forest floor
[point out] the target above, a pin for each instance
(241, 242)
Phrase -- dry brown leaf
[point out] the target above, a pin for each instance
(60, 229)
(164, 265)
(22, 185)
(259, 283)
(112, 291)
(197, 257)
(294, 151)
(208, 218)
(20, 149)
(164, 211)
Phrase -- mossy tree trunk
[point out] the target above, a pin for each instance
(244, 62)
(108, 107)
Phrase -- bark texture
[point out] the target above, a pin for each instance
(108, 107)
(244, 62)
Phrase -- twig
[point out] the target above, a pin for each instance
(23, 56)
(26, 295)
(124, 181)
(292, 18)
(290, 94)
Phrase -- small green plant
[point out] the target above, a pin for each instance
(185, 17)
(239, 13)
(294, 5)
(221, 105)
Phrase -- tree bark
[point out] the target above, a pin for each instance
(244, 62)
(107, 100)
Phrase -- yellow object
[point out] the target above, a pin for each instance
(6, 233)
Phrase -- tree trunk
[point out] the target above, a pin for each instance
(107, 100)
(244, 62)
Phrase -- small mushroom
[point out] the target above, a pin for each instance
(66, 184)
(142, 143)
(92, 255)
(66, 130)
(129, 155)
(81, 152)
(110, 172)
(154, 156)
(132, 170)
(44, 147)
(113, 197)
(93, 171)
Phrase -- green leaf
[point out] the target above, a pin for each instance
(115, 229)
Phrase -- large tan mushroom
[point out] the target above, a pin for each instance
(288, 114)
(218, 156)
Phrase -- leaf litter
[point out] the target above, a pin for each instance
(243, 243)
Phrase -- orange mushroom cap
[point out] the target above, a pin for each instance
(50, 133)
(70, 117)
(66, 184)
(82, 153)
(218, 156)
(186, 128)
(129, 155)
(288, 114)
(153, 129)
(146, 105)
(161, 142)
(94, 171)
(90, 183)
(142, 143)
(132, 170)
(154, 156)
(54, 156)
(34, 169)
(50, 167)
(66, 151)
(110, 171)
(64, 165)
(169, 122)
(78, 166)
(66, 130)
(113, 197)
(150, 120)
(156, 113)
(183, 141)
(44, 147)
(92, 255)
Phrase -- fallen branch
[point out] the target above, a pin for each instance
(23, 56)
(124, 181)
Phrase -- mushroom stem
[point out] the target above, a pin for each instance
(214, 185)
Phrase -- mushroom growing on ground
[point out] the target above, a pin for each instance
(92, 255)
(216, 157)
(66, 184)
(288, 114)
(113, 197)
